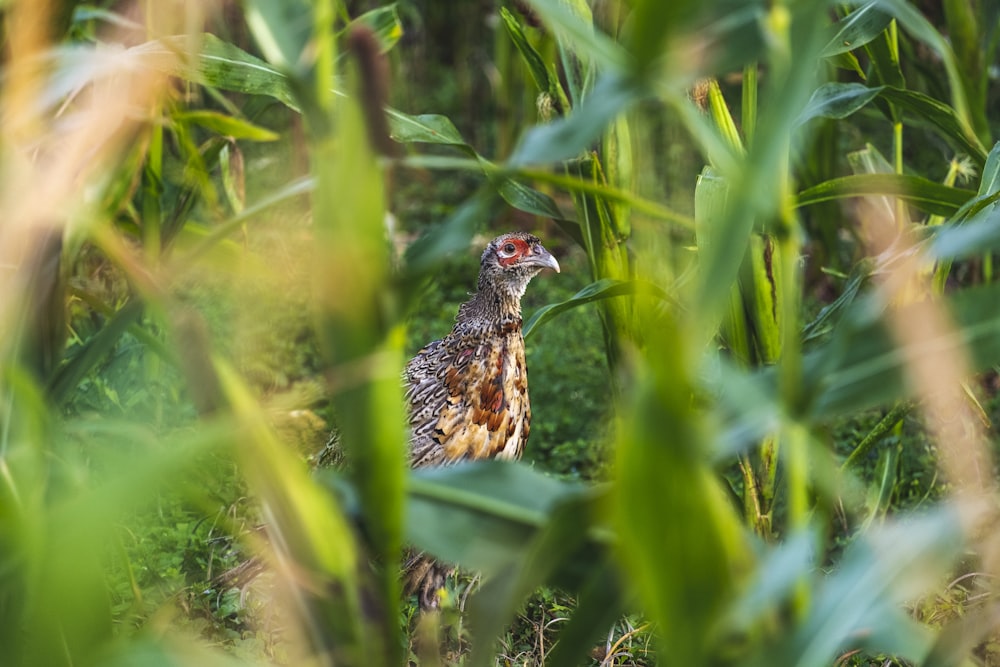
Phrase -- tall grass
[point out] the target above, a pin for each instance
(718, 524)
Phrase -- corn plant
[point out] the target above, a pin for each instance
(124, 141)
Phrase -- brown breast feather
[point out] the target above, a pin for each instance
(485, 414)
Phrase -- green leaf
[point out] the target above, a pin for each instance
(861, 366)
(602, 289)
(427, 128)
(828, 317)
(861, 603)
(68, 376)
(536, 66)
(944, 117)
(227, 126)
(978, 234)
(567, 137)
(440, 130)
(926, 195)
(281, 30)
(580, 36)
(559, 545)
(774, 579)
(481, 515)
(527, 199)
(220, 65)
(600, 601)
(918, 26)
(384, 23)
(837, 100)
(990, 181)
(661, 473)
(857, 29)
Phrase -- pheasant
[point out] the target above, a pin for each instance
(467, 394)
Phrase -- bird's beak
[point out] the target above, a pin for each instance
(543, 259)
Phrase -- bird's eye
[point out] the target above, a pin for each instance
(509, 249)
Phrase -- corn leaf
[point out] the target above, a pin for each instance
(227, 126)
(568, 137)
(837, 100)
(605, 288)
(857, 29)
(384, 23)
(536, 66)
(925, 194)
(481, 515)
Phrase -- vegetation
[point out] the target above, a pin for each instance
(764, 385)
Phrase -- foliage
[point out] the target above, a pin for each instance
(766, 494)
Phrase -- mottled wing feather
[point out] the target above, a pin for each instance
(468, 399)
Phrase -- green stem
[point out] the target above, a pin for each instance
(749, 111)
(875, 435)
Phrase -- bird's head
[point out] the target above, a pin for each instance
(511, 260)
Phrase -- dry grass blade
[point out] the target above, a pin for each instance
(936, 376)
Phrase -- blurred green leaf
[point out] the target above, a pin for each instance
(567, 137)
(662, 454)
(856, 29)
(157, 652)
(481, 515)
(861, 367)
(69, 374)
(773, 581)
(221, 65)
(384, 23)
(451, 236)
(989, 182)
(601, 599)
(281, 30)
(440, 130)
(557, 545)
(580, 36)
(227, 126)
(860, 605)
(925, 194)
(977, 235)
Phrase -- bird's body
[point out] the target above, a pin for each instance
(467, 394)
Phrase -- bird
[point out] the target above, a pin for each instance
(467, 394)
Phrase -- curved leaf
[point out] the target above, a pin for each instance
(523, 198)
(973, 237)
(567, 137)
(384, 23)
(281, 29)
(602, 289)
(481, 514)
(579, 35)
(926, 195)
(536, 66)
(857, 29)
(862, 367)
(944, 117)
(426, 128)
(220, 65)
(228, 126)
(837, 100)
